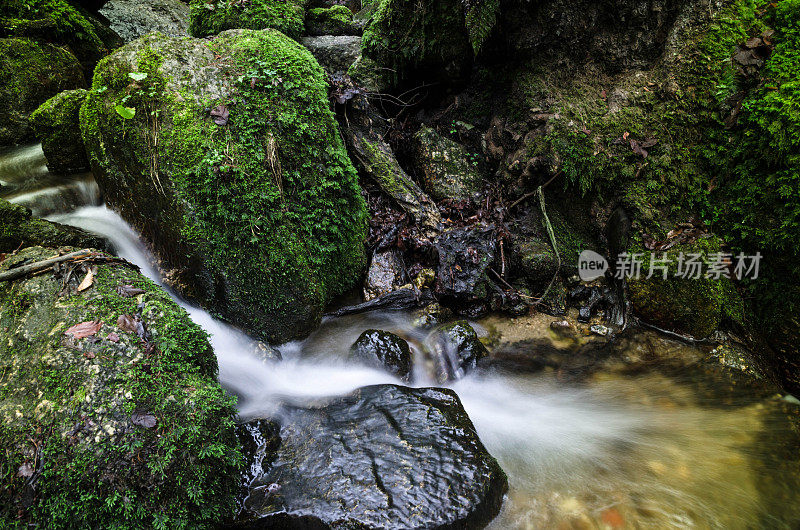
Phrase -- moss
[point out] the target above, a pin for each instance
(448, 169)
(56, 124)
(426, 39)
(334, 20)
(212, 17)
(30, 74)
(18, 228)
(267, 207)
(67, 409)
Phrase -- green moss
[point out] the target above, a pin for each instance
(66, 407)
(211, 17)
(56, 124)
(334, 20)
(18, 228)
(268, 205)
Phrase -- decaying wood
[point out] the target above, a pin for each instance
(79, 256)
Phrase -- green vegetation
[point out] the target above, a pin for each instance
(56, 124)
(209, 17)
(68, 409)
(266, 202)
(334, 20)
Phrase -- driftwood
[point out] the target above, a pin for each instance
(401, 299)
(78, 256)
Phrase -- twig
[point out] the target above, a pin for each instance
(534, 192)
(24, 270)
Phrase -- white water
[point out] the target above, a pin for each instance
(576, 457)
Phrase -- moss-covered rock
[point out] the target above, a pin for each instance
(232, 167)
(18, 228)
(334, 20)
(59, 22)
(211, 17)
(30, 74)
(419, 40)
(693, 305)
(448, 170)
(109, 430)
(56, 123)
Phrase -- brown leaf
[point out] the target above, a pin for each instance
(25, 470)
(146, 420)
(129, 291)
(87, 282)
(113, 337)
(84, 329)
(127, 323)
(636, 148)
(220, 115)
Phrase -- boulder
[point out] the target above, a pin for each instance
(132, 19)
(18, 228)
(385, 456)
(419, 40)
(334, 20)
(241, 184)
(457, 350)
(210, 17)
(110, 410)
(382, 349)
(30, 74)
(334, 53)
(465, 255)
(385, 274)
(56, 123)
(447, 169)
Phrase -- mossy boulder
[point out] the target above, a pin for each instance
(57, 125)
(696, 306)
(334, 20)
(210, 17)
(109, 428)
(419, 40)
(232, 167)
(30, 74)
(62, 23)
(447, 169)
(18, 228)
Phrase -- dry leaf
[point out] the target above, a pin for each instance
(129, 291)
(87, 282)
(84, 329)
(25, 470)
(127, 323)
(148, 421)
(113, 337)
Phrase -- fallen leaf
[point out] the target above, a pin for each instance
(612, 518)
(25, 470)
(113, 337)
(220, 115)
(89, 355)
(87, 282)
(129, 291)
(127, 323)
(84, 329)
(148, 421)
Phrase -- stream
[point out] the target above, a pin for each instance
(669, 444)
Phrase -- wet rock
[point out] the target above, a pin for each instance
(386, 273)
(30, 74)
(365, 461)
(563, 328)
(132, 19)
(18, 228)
(465, 255)
(382, 349)
(269, 274)
(448, 169)
(86, 399)
(458, 350)
(210, 17)
(57, 125)
(334, 20)
(334, 53)
(537, 263)
(402, 299)
(369, 75)
(260, 439)
(265, 352)
(431, 316)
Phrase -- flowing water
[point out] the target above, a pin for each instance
(679, 447)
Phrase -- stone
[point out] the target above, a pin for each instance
(382, 349)
(56, 123)
(132, 19)
(210, 17)
(334, 20)
(448, 170)
(334, 53)
(465, 255)
(457, 350)
(19, 229)
(366, 461)
(385, 274)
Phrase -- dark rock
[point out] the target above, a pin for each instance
(383, 457)
(18, 228)
(465, 255)
(457, 349)
(57, 125)
(386, 273)
(334, 53)
(401, 299)
(260, 439)
(448, 169)
(132, 19)
(382, 349)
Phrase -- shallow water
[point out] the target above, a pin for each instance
(683, 447)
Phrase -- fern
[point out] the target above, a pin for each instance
(481, 17)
